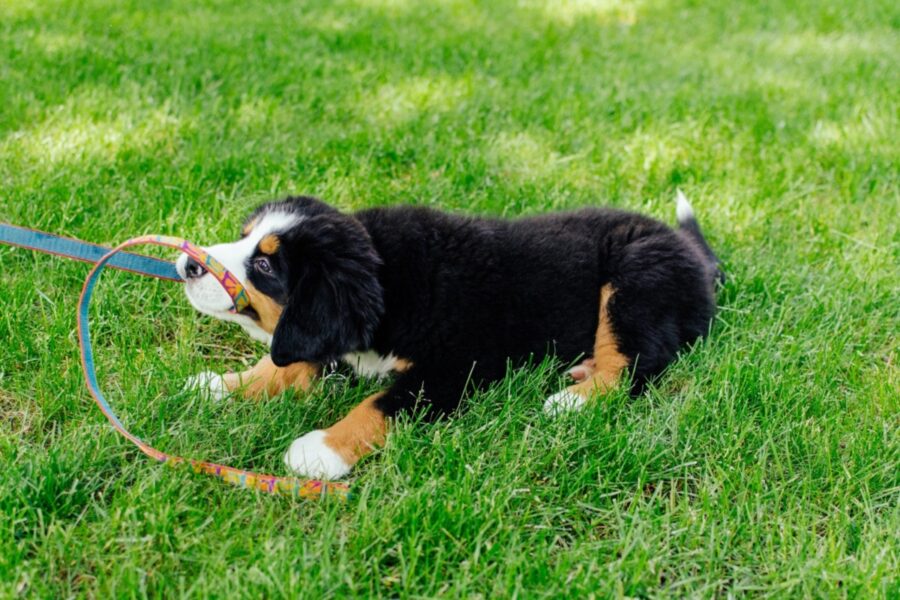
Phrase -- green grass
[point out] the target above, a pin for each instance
(766, 461)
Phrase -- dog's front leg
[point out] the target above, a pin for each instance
(263, 378)
(331, 453)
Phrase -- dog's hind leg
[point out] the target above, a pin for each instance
(597, 375)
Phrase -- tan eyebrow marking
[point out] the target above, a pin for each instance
(269, 244)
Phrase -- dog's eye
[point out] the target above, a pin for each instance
(263, 265)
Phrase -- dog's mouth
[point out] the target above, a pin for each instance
(203, 291)
(250, 313)
(207, 297)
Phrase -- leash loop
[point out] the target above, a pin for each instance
(291, 486)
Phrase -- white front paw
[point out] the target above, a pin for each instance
(209, 383)
(563, 401)
(309, 455)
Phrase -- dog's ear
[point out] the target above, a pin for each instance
(337, 301)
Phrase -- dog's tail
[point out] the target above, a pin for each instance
(687, 222)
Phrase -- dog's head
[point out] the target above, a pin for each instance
(312, 276)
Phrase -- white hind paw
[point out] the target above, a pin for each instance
(562, 402)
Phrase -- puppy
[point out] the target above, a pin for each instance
(445, 302)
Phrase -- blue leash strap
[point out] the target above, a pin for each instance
(32, 239)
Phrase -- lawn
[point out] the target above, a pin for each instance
(765, 461)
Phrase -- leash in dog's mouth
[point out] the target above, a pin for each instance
(153, 267)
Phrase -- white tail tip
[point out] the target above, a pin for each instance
(683, 210)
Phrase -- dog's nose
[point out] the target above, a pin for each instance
(193, 269)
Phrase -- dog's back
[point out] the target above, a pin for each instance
(487, 291)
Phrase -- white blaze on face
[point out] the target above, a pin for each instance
(206, 294)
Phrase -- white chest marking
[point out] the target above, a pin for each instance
(371, 364)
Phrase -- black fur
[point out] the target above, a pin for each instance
(335, 300)
(462, 297)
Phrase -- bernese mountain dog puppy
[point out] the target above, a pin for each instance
(446, 303)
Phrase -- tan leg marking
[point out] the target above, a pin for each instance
(607, 363)
(361, 431)
(266, 378)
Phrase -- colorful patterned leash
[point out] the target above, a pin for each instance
(153, 267)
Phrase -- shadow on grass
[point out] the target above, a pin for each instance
(482, 107)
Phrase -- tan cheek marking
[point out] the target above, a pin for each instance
(268, 310)
(361, 431)
(267, 378)
(269, 244)
(608, 362)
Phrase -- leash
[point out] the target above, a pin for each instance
(103, 257)
(65, 247)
